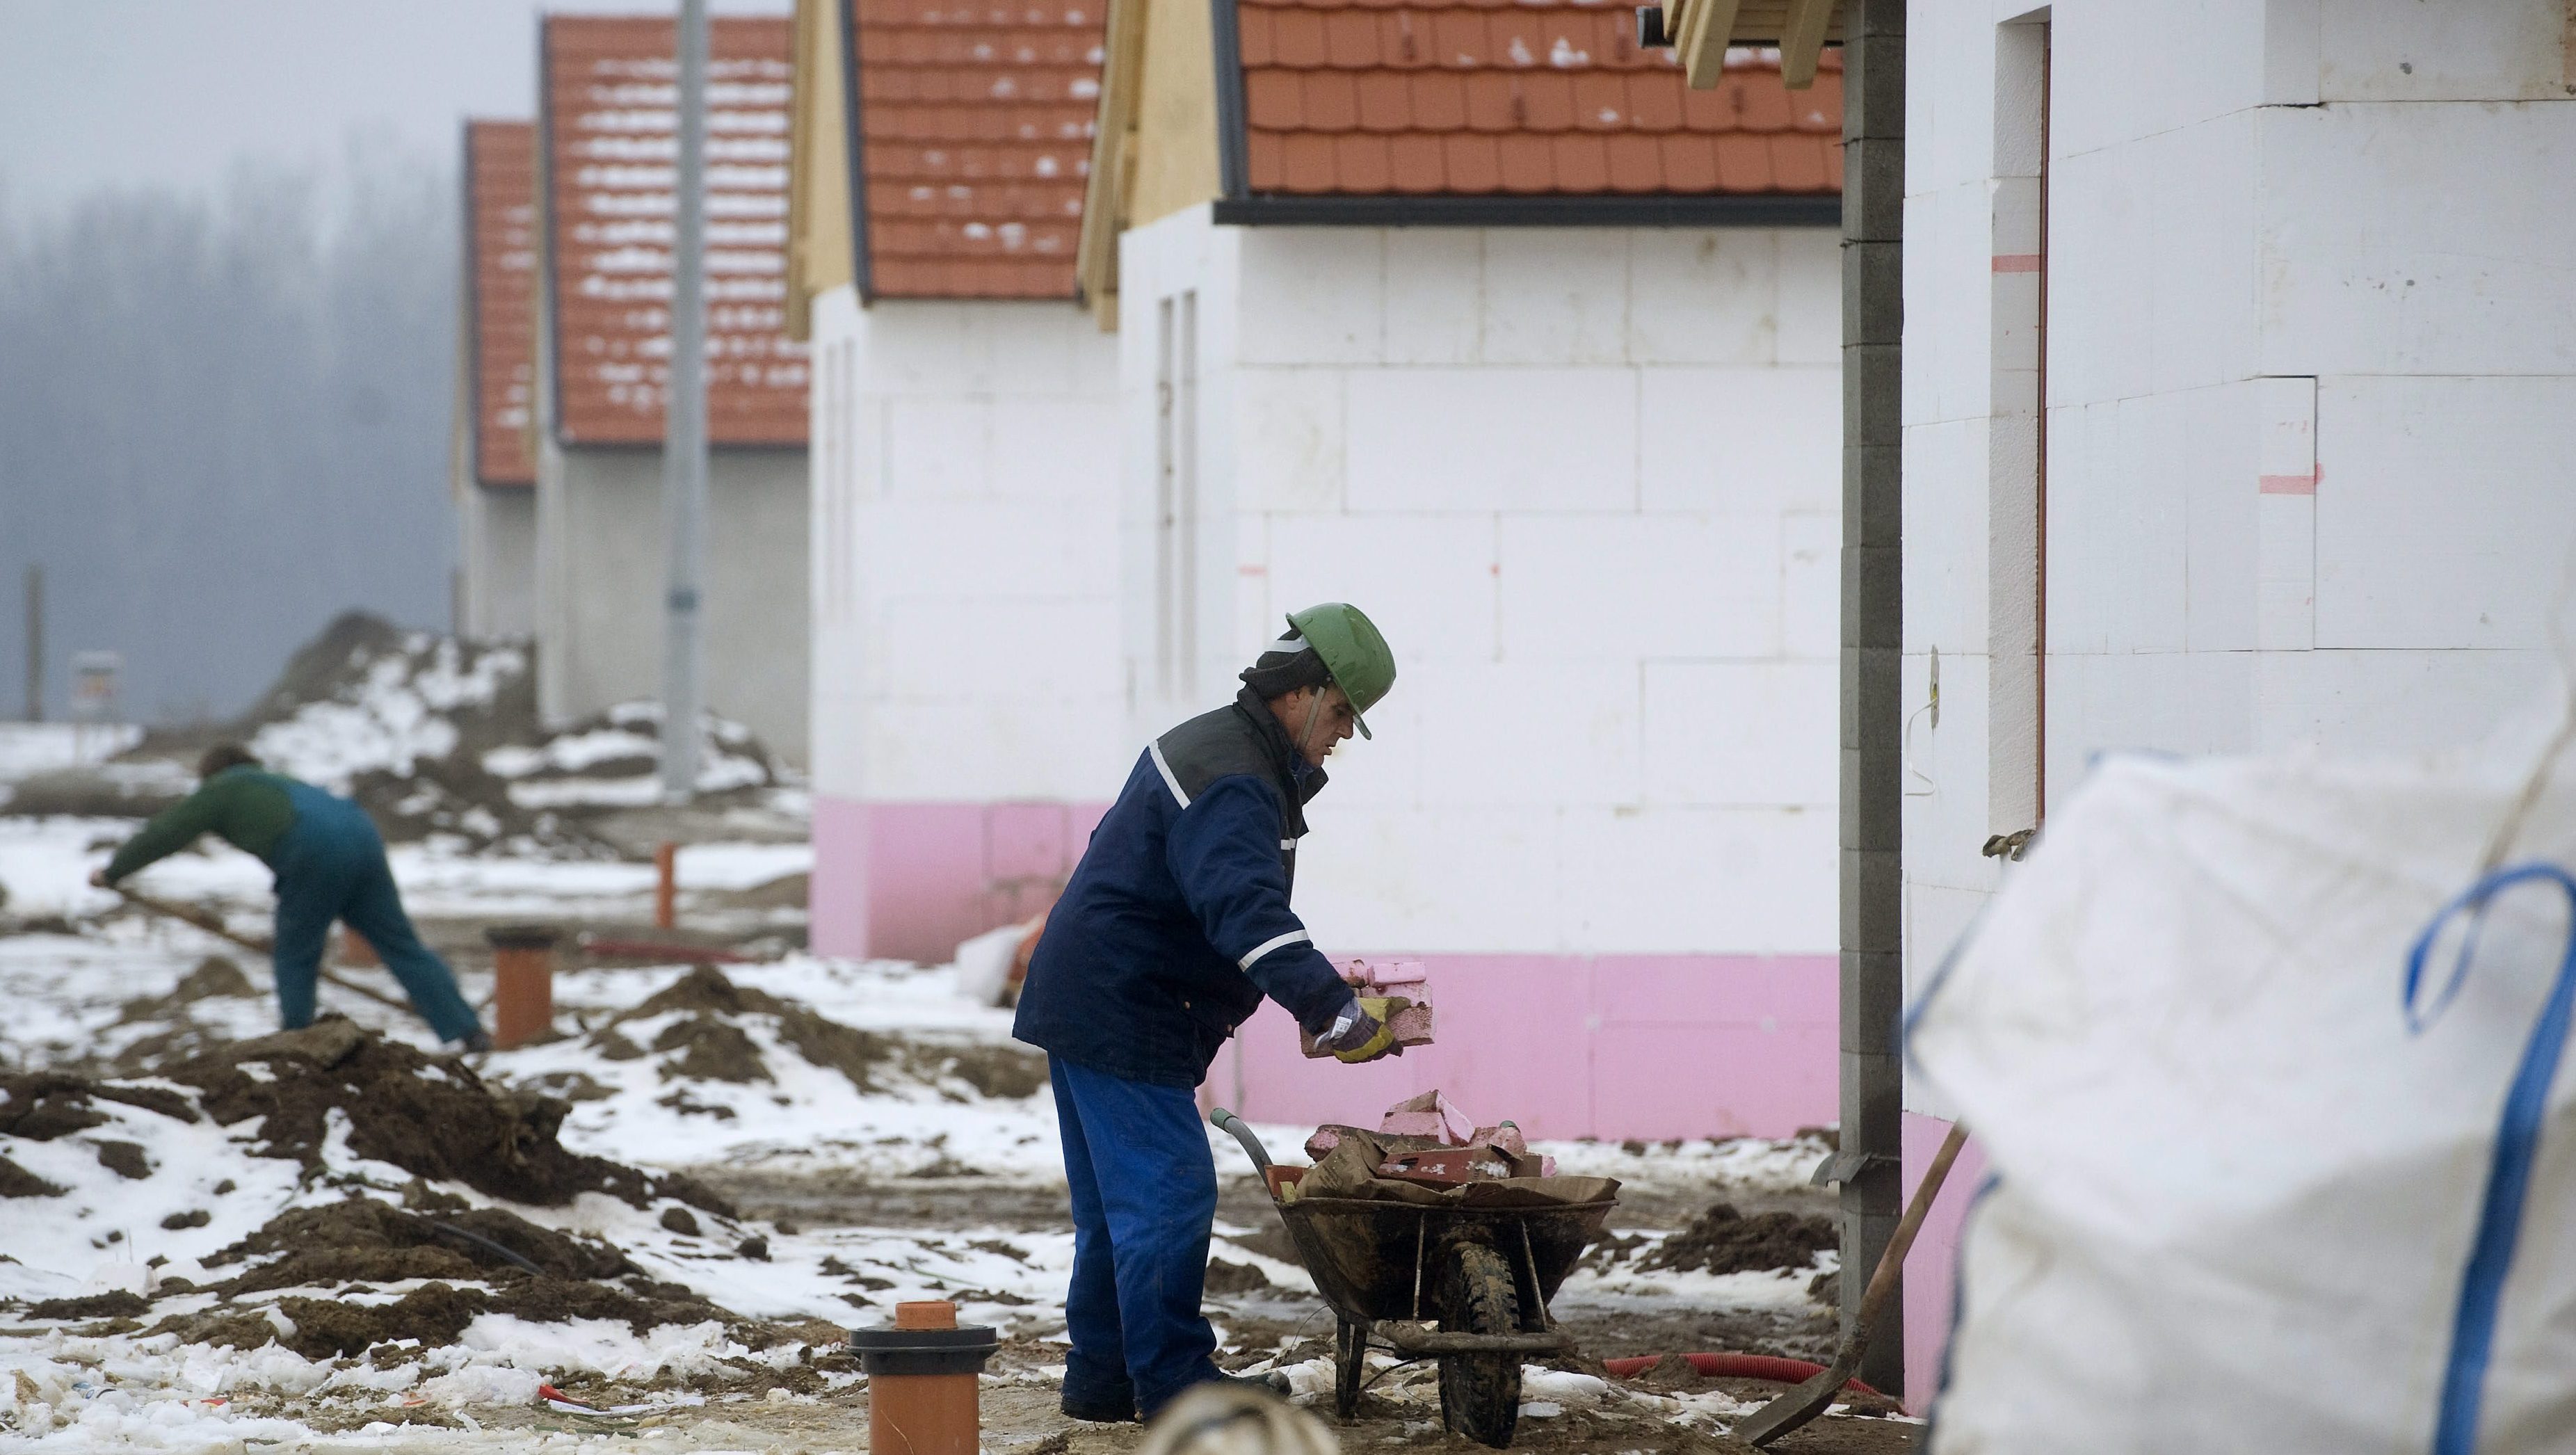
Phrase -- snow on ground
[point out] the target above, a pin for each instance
(45, 865)
(876, 1073)
(30, 748)
(1748, 1164)
(803, 1116)
(613, 761)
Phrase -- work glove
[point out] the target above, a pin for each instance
(1362, 1033)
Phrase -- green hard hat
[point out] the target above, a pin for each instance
(1353, 652)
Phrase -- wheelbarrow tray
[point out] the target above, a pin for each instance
(1372, 1260)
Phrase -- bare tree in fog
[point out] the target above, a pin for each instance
(220, 425)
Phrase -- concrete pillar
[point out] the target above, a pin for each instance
(1873, 638)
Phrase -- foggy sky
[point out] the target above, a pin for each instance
(228, 282)
(172, 93)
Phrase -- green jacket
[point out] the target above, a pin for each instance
(243, 806)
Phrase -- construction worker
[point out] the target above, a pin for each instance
(329, 865)
(1173, 927)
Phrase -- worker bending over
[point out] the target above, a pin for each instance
(1174, 926)
(329, 865)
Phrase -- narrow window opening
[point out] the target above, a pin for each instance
(1176, 504)
(2017, 500)
(1166, 520)
(1185, 476)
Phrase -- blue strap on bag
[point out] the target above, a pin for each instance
(2517, 1144)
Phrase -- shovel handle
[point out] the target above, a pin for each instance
(206, 920)
(213, 924)
(1891, 1263)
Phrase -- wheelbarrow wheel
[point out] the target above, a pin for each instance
(1350, 1366)
(1480, 1394)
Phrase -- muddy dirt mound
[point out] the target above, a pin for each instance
(321, 667)
(119, 1304)
(1004, 1071)
(434, 735)
(1723, 1240)
(362, 1239)
(714, 1048)
(710, 1050)
(215, 978)
(612, 760)
(532, 1272)
(42, 1105)
(432, 1117)
(437, 1312)
(1675, 1373)
(640, 1304)
(17, 1181)
(1233, 1278)
(323, 1328)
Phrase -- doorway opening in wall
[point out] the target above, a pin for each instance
(1176, 491)
(2017, 445)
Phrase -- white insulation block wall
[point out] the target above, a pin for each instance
(2307, 389)
(967, 482)
(1614, 726)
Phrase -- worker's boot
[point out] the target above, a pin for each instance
(1099, 1410)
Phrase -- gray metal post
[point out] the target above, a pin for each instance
(684, 438)
(1873, 637)
(36, 644)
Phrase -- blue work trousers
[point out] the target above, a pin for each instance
(331, 866)
(1144, 1198)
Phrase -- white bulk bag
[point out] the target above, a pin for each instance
(2247, 1193)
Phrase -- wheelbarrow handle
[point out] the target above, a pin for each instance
(1226, 1121)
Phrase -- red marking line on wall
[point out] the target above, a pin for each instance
(2291, 484)
(1252, 570)
(2016, 262)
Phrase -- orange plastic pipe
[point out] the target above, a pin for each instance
(666, 885)
(924, 1414)
(523, 988)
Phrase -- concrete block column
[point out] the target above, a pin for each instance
(1872, 640)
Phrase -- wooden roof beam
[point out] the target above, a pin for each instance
(1707, 29)
(1703, 30)
(1113, 161)
(1802, 41)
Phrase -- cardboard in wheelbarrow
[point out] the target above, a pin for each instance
(1350, 1170)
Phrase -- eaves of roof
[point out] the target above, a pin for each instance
(1474, 113)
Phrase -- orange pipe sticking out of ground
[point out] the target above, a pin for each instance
(666, 885)
(922, 1397)
(523, 983)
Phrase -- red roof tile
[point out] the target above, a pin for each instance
(501, 261)
(979, 115)
(1468, 97)
(608, 115)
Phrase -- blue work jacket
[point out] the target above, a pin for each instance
(1176, 922)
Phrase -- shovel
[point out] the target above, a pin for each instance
(1798, 1406)
(213, 924)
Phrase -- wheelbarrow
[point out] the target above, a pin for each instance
(1484, 1275)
